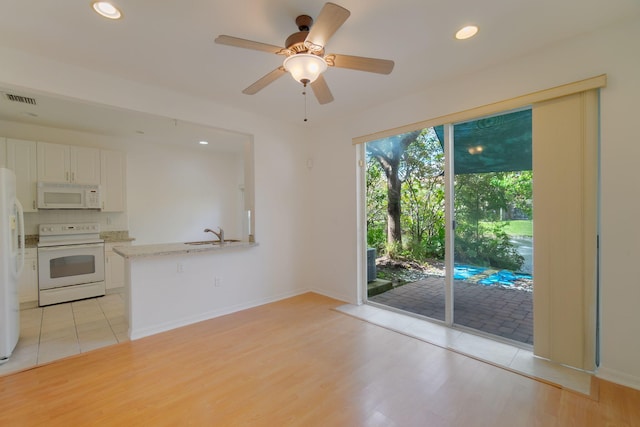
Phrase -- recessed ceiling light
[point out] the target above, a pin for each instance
(466, 32)
(107, 9)
(204, 142)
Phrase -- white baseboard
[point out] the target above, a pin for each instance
(167, 326)
(339, 297)
(618, 377)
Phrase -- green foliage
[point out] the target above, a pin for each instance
(377, 238)
(486, 246)
(480, 200)
(422, 197)
(376, 207)
(522, 227)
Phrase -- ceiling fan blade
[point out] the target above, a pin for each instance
(372, 65)
(248, 44)
(265, 81)
(331, 18)
(321, 90)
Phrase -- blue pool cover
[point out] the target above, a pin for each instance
(487, 276)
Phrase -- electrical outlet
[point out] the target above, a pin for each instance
(217, 282)
(180, 268)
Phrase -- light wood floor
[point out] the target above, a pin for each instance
(295, 362)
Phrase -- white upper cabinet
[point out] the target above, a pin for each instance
(113, 181)
(21, 159)
(85, 165)
(64, 163)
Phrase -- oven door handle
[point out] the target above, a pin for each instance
(63, 247)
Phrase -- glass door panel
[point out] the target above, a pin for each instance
(406, 223)
(493, 263)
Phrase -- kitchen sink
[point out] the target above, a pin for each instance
(211, 242)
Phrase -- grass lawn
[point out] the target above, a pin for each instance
(521, 227)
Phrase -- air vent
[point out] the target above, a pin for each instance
(20, 98)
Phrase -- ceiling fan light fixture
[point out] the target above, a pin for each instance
(304, 67)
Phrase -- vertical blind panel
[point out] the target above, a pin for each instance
(564, 194)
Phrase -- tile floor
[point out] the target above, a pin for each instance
(508, 356)
(61, 330)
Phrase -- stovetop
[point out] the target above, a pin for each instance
(69, 234)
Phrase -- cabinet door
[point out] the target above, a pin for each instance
(114, 267)
(113, 181)
(28, 280)
(21, 159)
(53, 162)
(85, 165)
(3, 152)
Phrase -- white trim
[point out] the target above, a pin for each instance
(618, 377)
(449, 218)
(361, 224)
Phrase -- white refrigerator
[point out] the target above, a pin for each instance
(11, 262)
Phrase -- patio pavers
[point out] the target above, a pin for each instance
(496, 310)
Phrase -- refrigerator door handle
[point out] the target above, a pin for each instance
(21, 221)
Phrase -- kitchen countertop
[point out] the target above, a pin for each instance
(116, 236)
(161, 249)
(30, 241)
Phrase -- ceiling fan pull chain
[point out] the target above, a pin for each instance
(304, 93)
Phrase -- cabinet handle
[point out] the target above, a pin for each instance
(73, 177)
(34, 204)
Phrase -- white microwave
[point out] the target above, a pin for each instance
(57, 195)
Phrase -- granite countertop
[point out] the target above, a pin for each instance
(30, 241)
(138, 251)
(116, 236)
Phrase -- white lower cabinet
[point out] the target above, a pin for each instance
(3, 152)
(28, 281)
(113, 266)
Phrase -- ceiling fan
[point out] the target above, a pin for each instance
(304, 51)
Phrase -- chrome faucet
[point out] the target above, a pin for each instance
(219, 235)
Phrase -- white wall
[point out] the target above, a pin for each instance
(175, 193)
(612, 51)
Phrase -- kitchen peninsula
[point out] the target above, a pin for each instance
(177, 284)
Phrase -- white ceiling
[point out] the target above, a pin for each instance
(171, 44)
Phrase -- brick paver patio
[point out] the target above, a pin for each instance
(500, 311)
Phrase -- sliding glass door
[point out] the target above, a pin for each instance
(491, 206)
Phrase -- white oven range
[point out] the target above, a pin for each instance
(70, 262)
